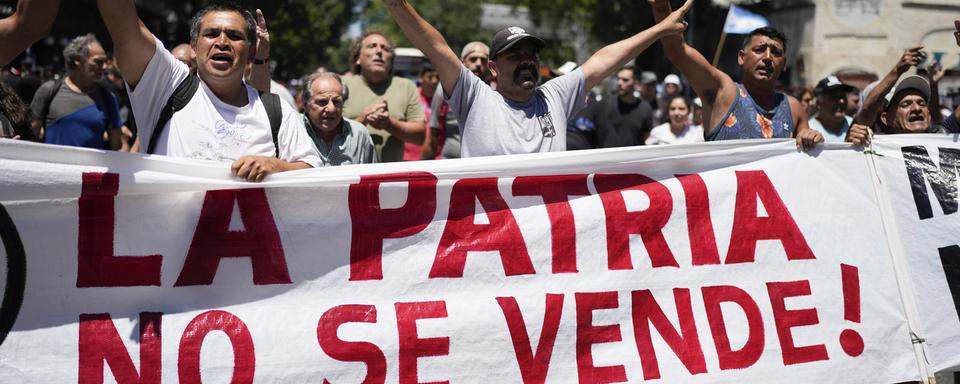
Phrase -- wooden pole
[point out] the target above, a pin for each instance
(716, 56)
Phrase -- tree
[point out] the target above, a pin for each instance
(302, 32)
(457, 20)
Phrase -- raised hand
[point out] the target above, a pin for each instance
(911, 57)
(935, 72)
(673, 24)
(263, 37)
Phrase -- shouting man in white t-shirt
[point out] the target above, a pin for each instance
(225, 119)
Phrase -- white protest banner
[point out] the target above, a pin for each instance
(920, 180)
(723, 262)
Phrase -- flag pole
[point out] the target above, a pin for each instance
(723, 36)
(716, 56)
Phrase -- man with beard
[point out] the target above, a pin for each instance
(624, 120)
(519, 117)
(388, 105)
(831, 120)
(444, 127)
(224, 118)
(77, 109)
(753, 109)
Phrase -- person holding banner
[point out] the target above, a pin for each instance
(223, 118)
(753, 109)
(520, 116)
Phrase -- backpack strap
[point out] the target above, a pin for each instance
(275, 113)
(179, 99)
(46, 103)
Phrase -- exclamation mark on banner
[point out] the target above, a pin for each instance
(850, 340)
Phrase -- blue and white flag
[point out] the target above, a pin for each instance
(742, 21)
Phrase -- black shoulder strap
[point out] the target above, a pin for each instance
(274, 112)
(179, 99)
(46, 103)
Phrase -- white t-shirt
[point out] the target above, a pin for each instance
(209, 129)
(492, 125)
(662, 134)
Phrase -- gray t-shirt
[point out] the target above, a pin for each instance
(492, 125)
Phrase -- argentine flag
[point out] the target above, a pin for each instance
(742, 21)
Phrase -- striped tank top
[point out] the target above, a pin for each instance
(748, 120)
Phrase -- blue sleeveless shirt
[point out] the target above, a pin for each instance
(748, 120)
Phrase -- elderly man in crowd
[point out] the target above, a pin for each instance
(882, 109)
(340, 141)
(520, 116)
(225, 119)
(77, 109)
(388, 105)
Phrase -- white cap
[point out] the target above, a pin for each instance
(698, 103)
(672, 79)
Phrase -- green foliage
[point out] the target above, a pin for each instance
(457, 20)
(304, 34)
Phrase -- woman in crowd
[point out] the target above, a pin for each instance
(678, 129)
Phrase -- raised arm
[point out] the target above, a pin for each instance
(260, 74)
(29, 22)
(715, 88)
(614, 56)
(875, 100)
(935, 72)
(428, 40)
(133, 44)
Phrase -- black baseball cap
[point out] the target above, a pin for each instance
(507, 37)
(830, 83)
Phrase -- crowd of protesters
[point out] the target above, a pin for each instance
(213, 97)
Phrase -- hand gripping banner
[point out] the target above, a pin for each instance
(738, 261)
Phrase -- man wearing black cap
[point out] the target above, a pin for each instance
(519, 117)
(832, 120)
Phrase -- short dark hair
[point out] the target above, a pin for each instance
(632, 69)
(250, 28)
(770, 32)
(358, 46)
